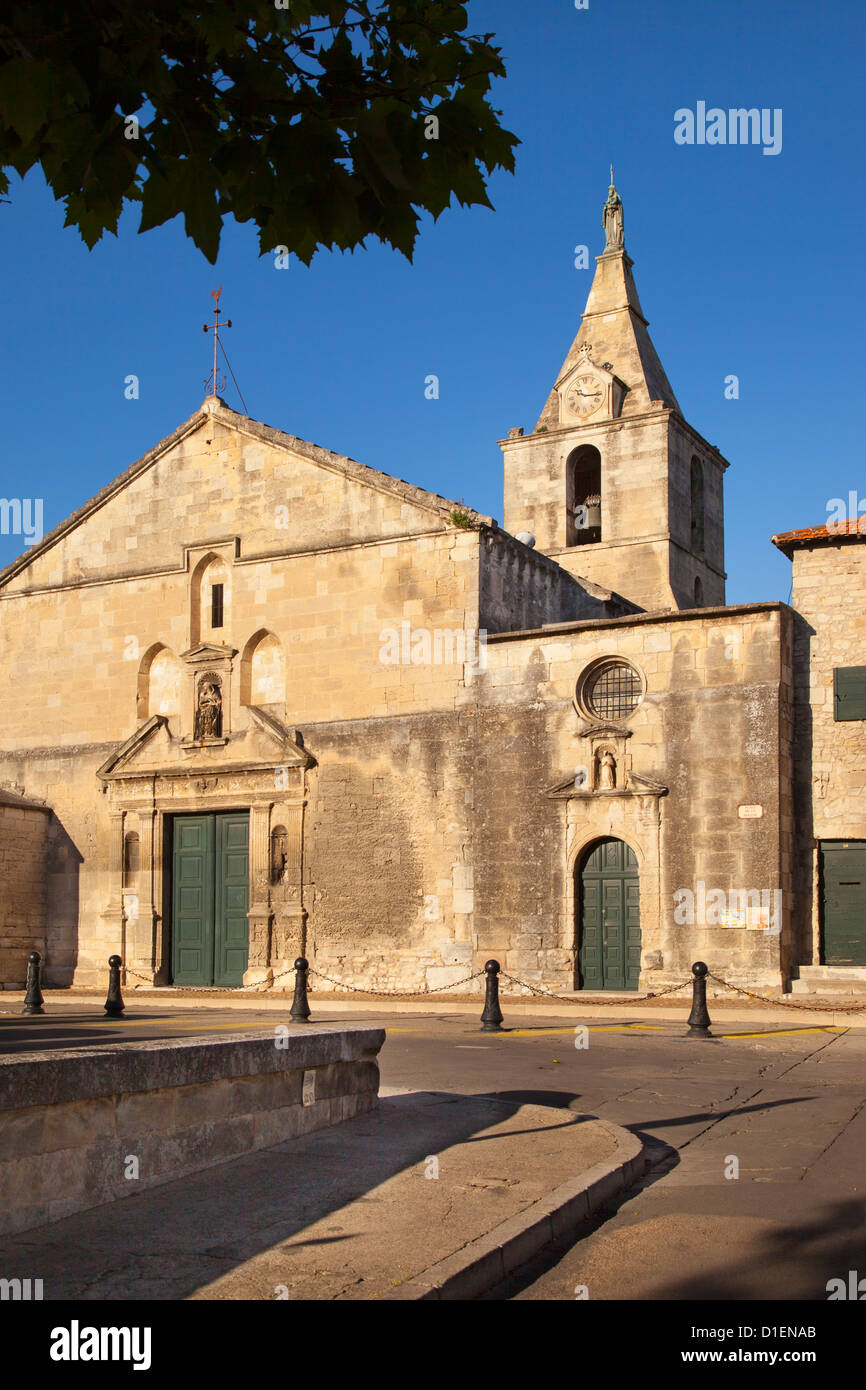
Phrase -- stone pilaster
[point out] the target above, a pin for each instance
(259, 965)
(112, 915)
(141, 936)
(290, 918)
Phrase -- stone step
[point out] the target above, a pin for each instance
(830, 980)
(833, 972)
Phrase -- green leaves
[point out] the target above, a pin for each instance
(307, 120)
(26, 96)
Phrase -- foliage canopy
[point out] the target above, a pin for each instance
(313, 121)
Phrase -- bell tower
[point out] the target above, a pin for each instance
(613, 483)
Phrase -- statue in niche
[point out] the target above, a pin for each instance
(279, 855)
(611, 220)
(209, 713)
(606, 772)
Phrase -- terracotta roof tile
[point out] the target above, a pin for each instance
(829, 531)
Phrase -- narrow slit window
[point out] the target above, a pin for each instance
(216, 605)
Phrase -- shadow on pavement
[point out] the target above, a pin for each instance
(170, 1241)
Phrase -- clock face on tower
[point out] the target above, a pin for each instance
(586, 394)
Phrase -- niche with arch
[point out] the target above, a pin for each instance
(208, 721)
(263, 671)
(279, 854)
(210, 601)
(583, 496)
(160, 683)
(131, 859)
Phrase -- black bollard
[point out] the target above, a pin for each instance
(33, 1000)
(300, 1007)
(491, 1019)
(114, 1005)
(699, 1019)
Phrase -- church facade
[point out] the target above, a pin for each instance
(270, 702)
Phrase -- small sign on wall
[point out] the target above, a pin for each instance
(750, 812)
(308, 1092)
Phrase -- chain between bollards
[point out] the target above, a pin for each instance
(491, 1019)
(33, 1000)
(699, 1019)
(114, 1004)
(300, 1010)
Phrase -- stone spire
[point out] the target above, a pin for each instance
(614, 328)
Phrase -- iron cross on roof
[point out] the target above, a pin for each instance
(214, 383)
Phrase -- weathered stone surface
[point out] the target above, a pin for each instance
(411, 791)
(23, 838)
(62, 1155)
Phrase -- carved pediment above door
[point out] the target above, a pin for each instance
(151, 735)
(634, 786)
(603, 767)
(285, 742)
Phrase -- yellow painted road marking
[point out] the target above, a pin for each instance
(784, 1032)
(658, 1028)
(593, 1027)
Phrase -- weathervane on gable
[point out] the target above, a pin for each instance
(215, 382)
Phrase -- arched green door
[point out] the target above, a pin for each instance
(607, 902)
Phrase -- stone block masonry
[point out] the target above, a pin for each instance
(84, 1127)
(23, 833)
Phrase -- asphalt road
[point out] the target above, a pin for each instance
(757, 1140)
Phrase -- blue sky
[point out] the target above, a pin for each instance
(746, 264)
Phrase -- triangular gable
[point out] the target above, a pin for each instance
(215, 414)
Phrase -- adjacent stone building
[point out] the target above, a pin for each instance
(279, 703)
(829, 584)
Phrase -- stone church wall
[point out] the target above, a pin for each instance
(435, 843)
(389, 862)
(443, 822)
(335, 615)
(23, 834)
(435, 839)
(715, 682)
(521, 588)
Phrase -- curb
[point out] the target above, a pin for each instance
(485, 1262)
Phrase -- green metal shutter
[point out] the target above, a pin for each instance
(849, 693)
(843, 880)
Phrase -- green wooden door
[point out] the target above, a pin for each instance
(843, 901)
(607, 895)
(232, 899)
(210, 899)
(193, 900)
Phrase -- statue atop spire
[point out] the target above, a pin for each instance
(611, 220)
